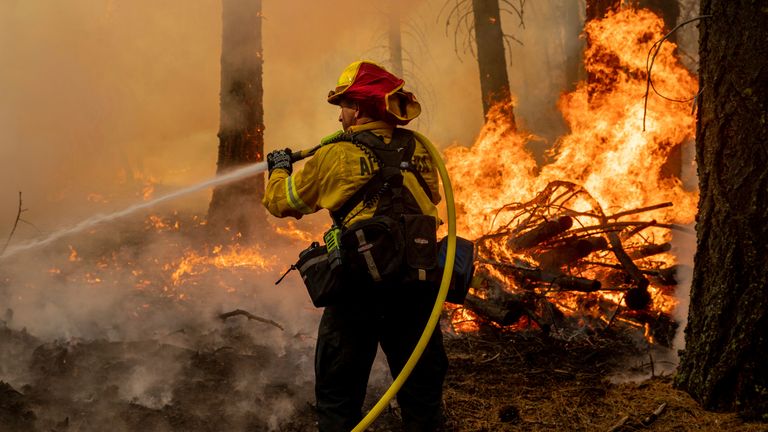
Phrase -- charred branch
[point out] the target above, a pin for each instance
(540, 233)
(564, 282)
(502, 314)
(647, 250)
(250, 316)
(570, 252)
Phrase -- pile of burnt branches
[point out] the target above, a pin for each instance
(561, 256)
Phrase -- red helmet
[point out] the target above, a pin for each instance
(365, 81)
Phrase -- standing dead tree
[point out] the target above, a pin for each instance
(486, 40)
(241, 132)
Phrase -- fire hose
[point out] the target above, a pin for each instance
(434, 318)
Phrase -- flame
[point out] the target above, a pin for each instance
(159, 224)
(606, 151)
(619, 165)
(73, 254)
(234, 256)
(291, 231)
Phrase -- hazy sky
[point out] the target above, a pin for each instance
(96, 96)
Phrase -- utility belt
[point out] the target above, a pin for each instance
(383, 250)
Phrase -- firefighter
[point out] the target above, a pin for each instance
(392, 313)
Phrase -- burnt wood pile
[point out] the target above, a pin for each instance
(559, 260)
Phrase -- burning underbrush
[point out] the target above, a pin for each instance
(598, 236)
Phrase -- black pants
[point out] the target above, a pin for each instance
(347, 341)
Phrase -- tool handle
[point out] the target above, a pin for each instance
(303, 154)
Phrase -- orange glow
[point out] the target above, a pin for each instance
(611, 164)
(230, 257)
(73, 255)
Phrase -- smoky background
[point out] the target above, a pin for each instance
(104, 101)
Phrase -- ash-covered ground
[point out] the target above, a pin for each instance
(121, 330)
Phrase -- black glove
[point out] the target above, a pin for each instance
(280, 159)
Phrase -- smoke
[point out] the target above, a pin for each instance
(103, 102)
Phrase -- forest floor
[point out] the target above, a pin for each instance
(186, 370)
(497, 381)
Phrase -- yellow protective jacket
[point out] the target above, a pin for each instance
(337, 171)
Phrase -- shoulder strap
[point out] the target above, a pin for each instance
(391, 158)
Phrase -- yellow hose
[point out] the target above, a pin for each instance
(438, 307)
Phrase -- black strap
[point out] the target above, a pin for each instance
(391, 158)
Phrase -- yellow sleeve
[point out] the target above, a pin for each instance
(322, 183)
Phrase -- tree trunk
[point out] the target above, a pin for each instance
(598, 9)
(724, 363)
(395, 40)
(668, 10)
(241, 131)
(572, 43)
(491, 58)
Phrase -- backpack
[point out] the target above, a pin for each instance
(398, 242)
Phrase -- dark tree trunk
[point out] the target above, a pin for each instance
(491, 58)
(668, 10)
(395, 40)
(725, 363)
(573, 44)
(597, 9)
(241, 131)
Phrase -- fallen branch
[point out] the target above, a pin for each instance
(654, 415)
(250, 316)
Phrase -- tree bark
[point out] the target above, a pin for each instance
(491, 58)
(724, 363)
(241, 131)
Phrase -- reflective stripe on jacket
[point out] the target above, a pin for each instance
(336, 171)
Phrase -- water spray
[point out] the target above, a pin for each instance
(229, 177)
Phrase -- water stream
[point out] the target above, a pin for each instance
(102, 218)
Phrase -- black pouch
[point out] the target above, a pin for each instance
(463, 268)
(374, 247)
(420, 238)
(325, 286)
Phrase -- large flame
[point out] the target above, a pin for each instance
(607, 150)
(616, 151)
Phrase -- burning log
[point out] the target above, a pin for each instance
(498, 304)
(669, 275)
(540, 233)
(640, 300)
(649, 250)
(502, 314)
(572, 251)
(563, 281)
